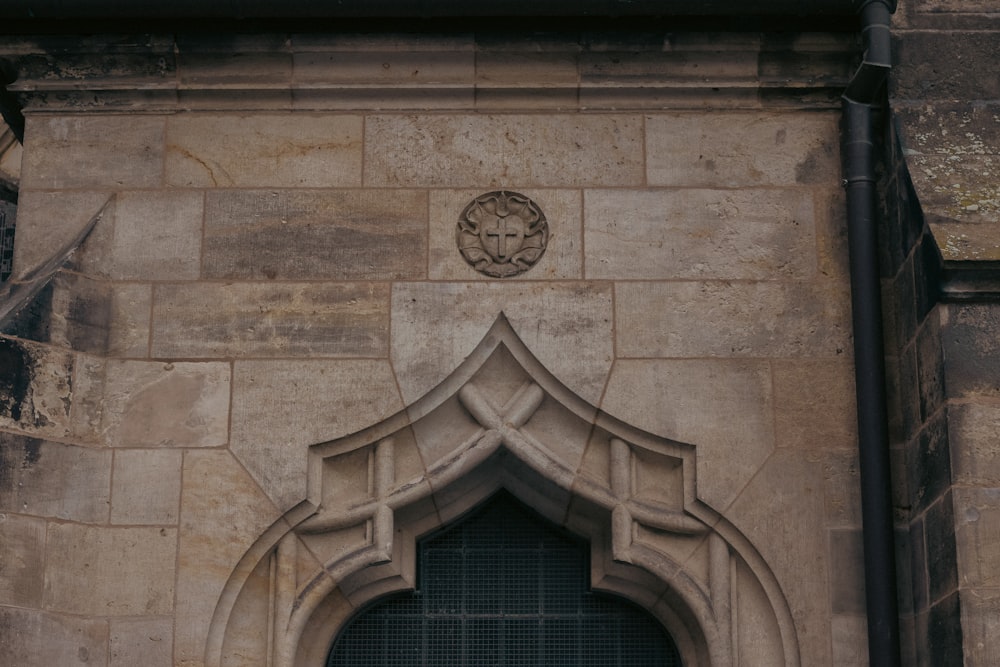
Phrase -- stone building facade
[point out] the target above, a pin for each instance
(249, 357)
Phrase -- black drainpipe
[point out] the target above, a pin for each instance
(863, 93)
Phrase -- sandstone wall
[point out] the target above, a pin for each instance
(277, 268)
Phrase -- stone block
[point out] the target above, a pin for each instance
(928, 462)
(850, 641)
(937, 65)
(48, 222)
(562, 258)
(93, 151)
(80, 314)
(157, 236)
(36, 388)
(215, 151)
(843, 488)
(726, 319)
(141, 641)
(725, 234)
(384, 68)
(723, 407)
(282, 407)
(55, 480)
(742, 149)
(100, 571)
(847, 573)
(270, 320)
(567, 326)
(147, 486)
(30, 637)
(156, 404)
(781, 512)
(385, 42)
(544, 69)
(709, 67)
(959, 188)
(222, 513)
(920, 588)
(980, 626)
(972, 348)
(814, 403)
(22, 541)
(86, 412)
(234, 68)
(329, 235)
(944, 633)
(498, 151)
(940, 533)
(973, 429)
(128, 334)
(977, 534)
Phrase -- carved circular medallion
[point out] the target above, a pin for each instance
(502, 234)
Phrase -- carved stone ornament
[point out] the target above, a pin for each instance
(502, 234)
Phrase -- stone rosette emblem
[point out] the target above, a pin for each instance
(502, 233)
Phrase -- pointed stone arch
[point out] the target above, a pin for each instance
(501, 420)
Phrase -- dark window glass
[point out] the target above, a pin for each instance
(503, 587)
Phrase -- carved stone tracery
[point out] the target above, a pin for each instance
(512, 426)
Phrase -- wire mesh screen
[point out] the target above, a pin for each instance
(503, 588)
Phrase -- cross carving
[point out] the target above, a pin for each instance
(502, 232)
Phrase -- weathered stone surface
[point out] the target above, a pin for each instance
(972, 349)
(977, 532)
(157, 236)
(567, 326)
(563, 255)
(22, 540)
(222, 514)
(141, 641)
(88, 398)
(850, 641)
(942, 556)
(491, 152)
(272, 320)
(282, 407)
(390, 67)
(814, 403)
(198, 68)
(655, 234)
(935, 64)
(980, 625)
(54, 480)
(96, 151)
(847, 574)
(723, 407)
(972, 434)
(29, 637)
(843, 487)
(330, 235)
(746, 319)
(264, 150)
(110, 571)
(929, 463)
(156, 404)
(781, 513)
(47, 223)
(741, 149)
(147, 486)
(128, 335)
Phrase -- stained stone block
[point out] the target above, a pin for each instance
(232, 69)
(847, 589)
(850, 641)
(270, 320)
(742, 149)
(843, 488)
(723, 407)
(214, 151)
(48, 222)
(656, 234)
(281, 407)
(93, 151)
(562, 258)
(141, 641)
(940, 533)
(32, 637)
(386, 68)
(491, 152)
(977, 534)
(99, 571)
(88, 398)
(223, 512)
(980, 625)
(157, 236)
(330, 235)
(970, 345)
(698, 319)
(156, 404)
(22, 539)
(814, 403)
(567, 326)
(128, 335)
(147, 486)
(55, 480)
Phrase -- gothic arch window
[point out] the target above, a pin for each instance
(503, 587)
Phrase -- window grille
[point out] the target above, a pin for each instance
(503, 587)
(7, 211)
